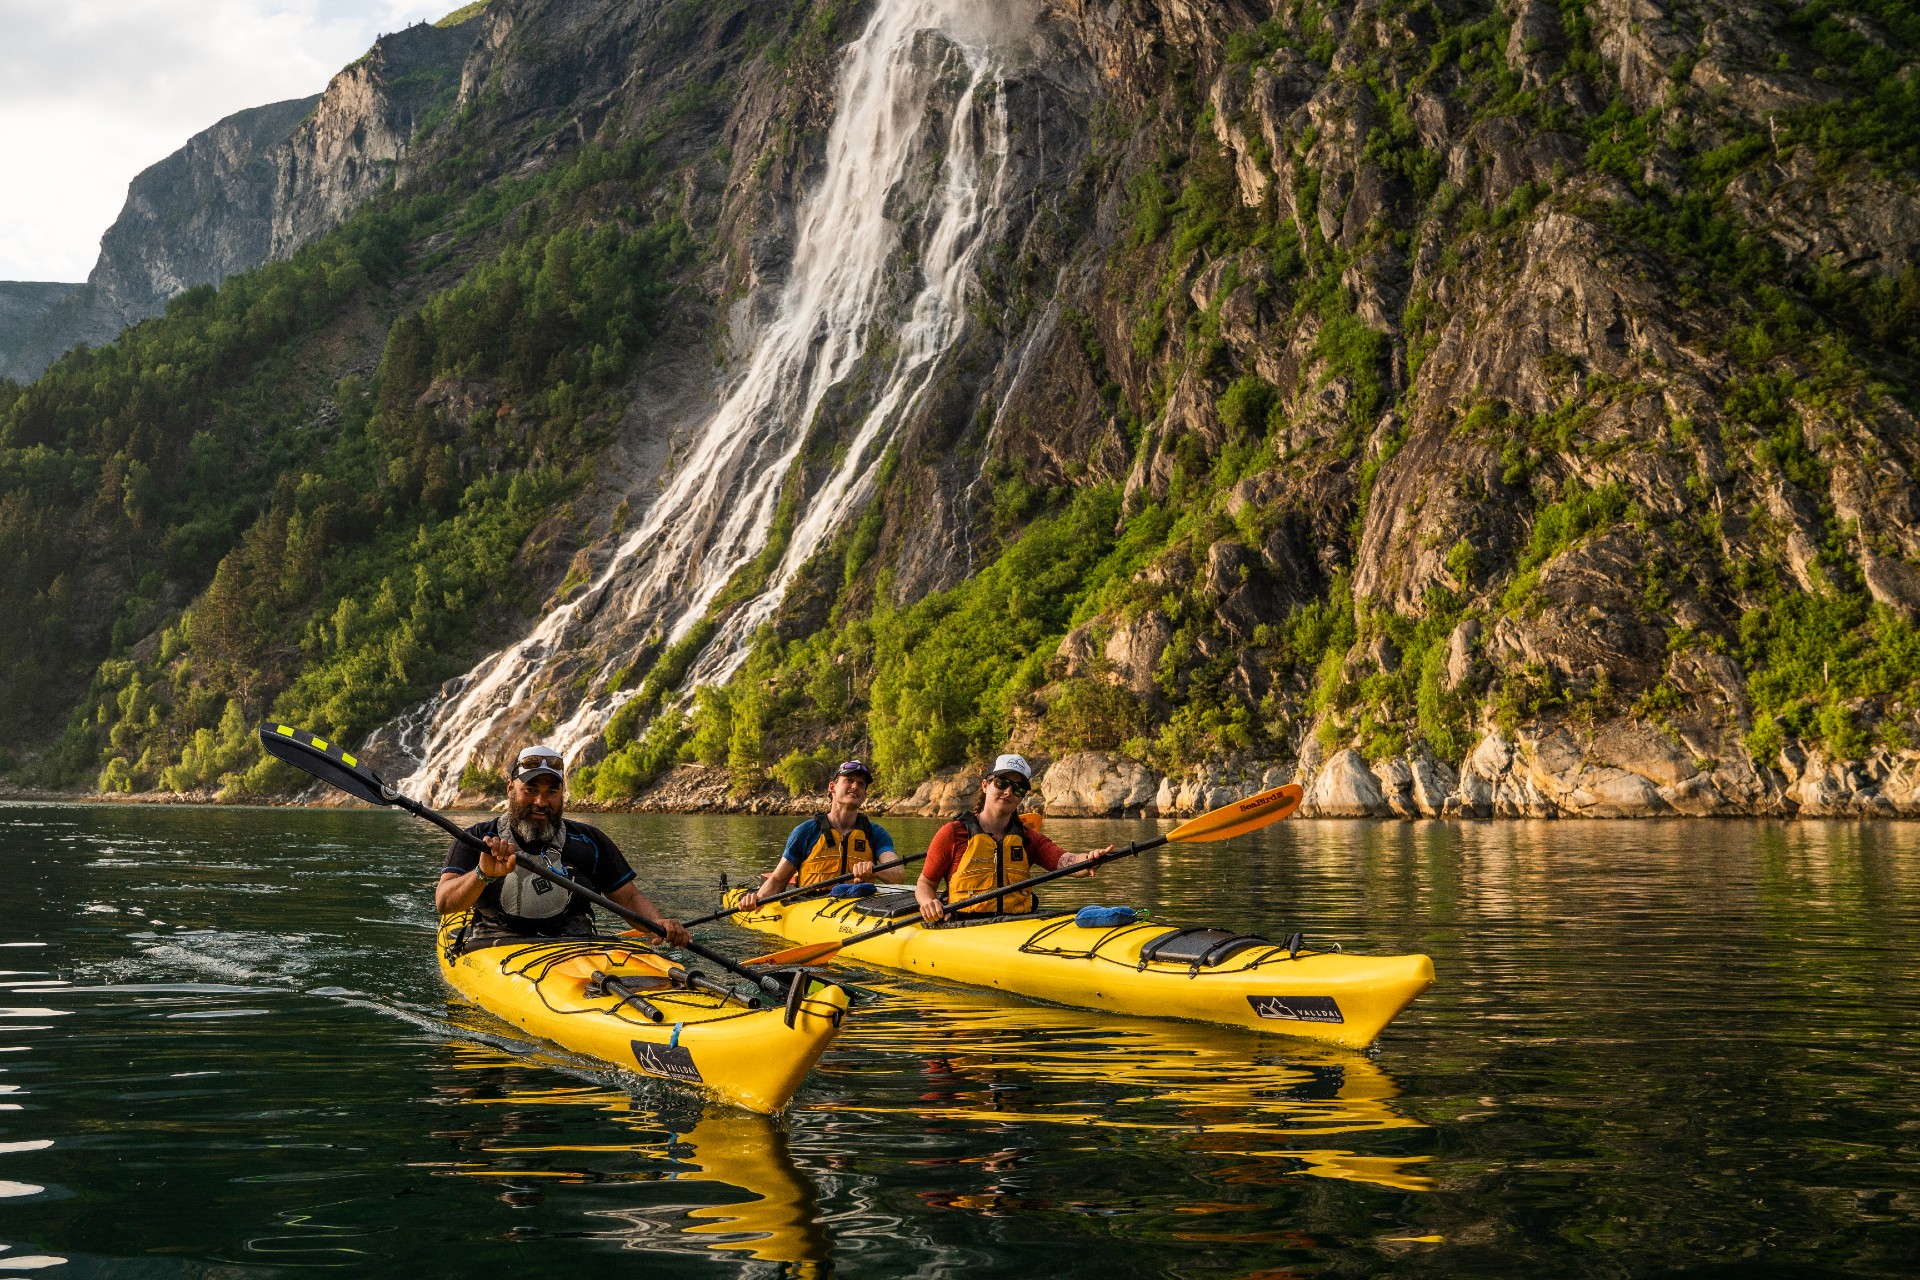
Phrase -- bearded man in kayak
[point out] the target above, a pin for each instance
(842, 841)
(512, 902)
(990, 848)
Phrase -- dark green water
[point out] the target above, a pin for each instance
(1655, 1048)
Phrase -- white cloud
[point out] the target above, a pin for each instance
(93, 91)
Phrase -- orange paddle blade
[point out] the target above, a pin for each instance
(1238, 819)
(812, 952)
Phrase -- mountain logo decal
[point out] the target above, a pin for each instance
(667, 1060)
(1296, 1008)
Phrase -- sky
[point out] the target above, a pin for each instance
(94, 91)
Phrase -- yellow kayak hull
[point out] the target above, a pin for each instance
(748, 1057)
(1326, 996)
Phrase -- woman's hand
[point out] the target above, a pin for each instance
(932, 910)
(1075, 859)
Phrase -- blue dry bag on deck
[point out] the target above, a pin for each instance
(1104, 917)
(852, 890)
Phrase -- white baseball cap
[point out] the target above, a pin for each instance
(536, 760)
(1011, 763)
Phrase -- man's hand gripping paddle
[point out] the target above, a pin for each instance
(329, 763)
(1223, 823)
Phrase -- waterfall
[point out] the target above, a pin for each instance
(717, 512)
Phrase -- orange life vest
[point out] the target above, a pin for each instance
(986, 864)
(832, 855)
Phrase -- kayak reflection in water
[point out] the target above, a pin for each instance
(841, 842)
(509, 901)
(990, 848)
(526, 1140)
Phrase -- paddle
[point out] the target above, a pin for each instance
(1231, 820)
(790, 894)
(331, 764)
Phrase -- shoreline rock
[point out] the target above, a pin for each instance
(1620, 770)
(1095, 784)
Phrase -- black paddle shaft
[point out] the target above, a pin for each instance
(329, 763)
(994, 895)
(802, 892)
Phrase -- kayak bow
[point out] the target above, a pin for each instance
(635, 1009)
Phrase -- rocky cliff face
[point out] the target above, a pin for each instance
(1529, 377)
(252, 188)
(196, 217)
(358, 132)
(23, 305)
(1508, 408)
(1569, 466)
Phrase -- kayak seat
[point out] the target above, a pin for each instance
(1198, 948)
(886, 906)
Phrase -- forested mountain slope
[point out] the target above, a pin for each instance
(1461, 406)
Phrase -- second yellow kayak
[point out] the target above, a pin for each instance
(1140, 969)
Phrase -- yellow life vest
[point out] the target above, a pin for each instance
(987, 864)
(833, 856)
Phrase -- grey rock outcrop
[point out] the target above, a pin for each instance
(1415, 785)
(1135, 648)
(943, 795)
(1216, 783)
(197, 217)
(1345, 788)
(360, 129)
(23, 308)
(1096, 784)
(194, 218)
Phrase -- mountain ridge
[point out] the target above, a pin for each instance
(251, 188)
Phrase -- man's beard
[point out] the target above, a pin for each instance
(533, 828)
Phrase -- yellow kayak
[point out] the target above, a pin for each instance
(1145, 969)
(623, 1006)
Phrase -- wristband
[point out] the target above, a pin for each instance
(484, 877)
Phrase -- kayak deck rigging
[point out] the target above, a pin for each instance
(593, 996)
(1219, 976)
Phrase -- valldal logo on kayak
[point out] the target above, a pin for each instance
(670, 1061)
(1296, 1008)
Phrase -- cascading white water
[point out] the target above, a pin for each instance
(717, 513)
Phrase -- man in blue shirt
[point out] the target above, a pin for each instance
(839, 842)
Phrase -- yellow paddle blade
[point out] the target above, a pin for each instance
(1238, 819)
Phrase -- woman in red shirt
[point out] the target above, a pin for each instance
(990, 848)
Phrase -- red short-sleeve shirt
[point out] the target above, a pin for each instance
(949, 840)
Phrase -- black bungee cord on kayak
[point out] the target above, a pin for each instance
(536, 971)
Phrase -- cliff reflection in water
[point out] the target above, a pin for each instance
(984, 1077)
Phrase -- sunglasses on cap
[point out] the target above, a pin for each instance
(854, 769)
(539, 764)
(1011, 782)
